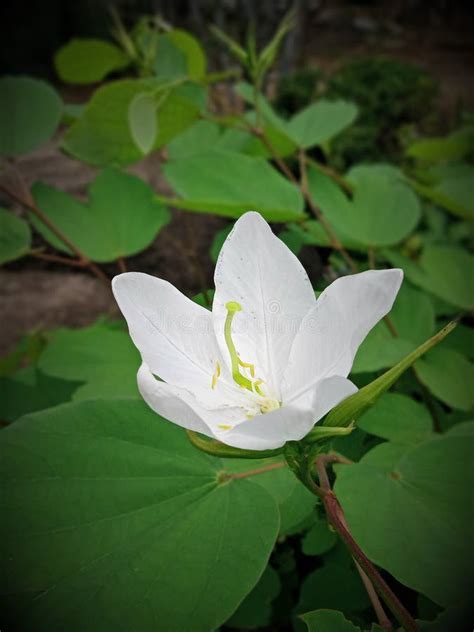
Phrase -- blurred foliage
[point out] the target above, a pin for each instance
(390, 94)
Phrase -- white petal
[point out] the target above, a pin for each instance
(332, 331)
(289, 423)
(181, 407)
(268, 431)
(174, 335)
(257, 270)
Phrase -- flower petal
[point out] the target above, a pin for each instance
(332, 331)
(174, 335)
(181, 407)
(257, 270)
(290, 423)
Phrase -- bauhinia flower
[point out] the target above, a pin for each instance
(270, 360)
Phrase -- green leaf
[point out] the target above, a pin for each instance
(328, 621)
(84, 61)
(321, 121)
(15, 237)
(445, 271)
(200, 137)
(179, 53)
(412, 316)
(295, 502)
(452, 189)
(462, 340)
(142, 121)
(124, 525)
(122, 209)
(333, 586)
(30, 390)
(319, 539)
(353, 407)
(419, 528)
(255, 610)
(440, 149)
(397, 418)
(30, 112)
(105, 361)
(449, 376)
(383, 210)
(229, 184)
(102, 135)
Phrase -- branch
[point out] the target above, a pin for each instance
(370, 576)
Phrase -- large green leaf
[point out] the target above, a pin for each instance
(30, 111)
(228, 183)
(398, 418)
(15, 237)
(412, 316)
(105, 361)
(113, 521)
(102, 135)
(85, 61)
(445, 271)
(411, 515)
(121, 218)
(449, 376)
(320, 122)
(383, 210)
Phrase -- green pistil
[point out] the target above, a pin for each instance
(232, 308)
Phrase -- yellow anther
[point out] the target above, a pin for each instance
(216, 375)
(224, 427)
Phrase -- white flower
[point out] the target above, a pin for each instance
(270, 360)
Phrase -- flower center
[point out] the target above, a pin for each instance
(243, 373)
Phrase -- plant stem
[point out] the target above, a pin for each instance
(33, 208)
(44, 256)
(337, 519)
(122, 264)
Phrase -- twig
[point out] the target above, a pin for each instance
(122, 264)
(33, 208)
(44, 256)
(371, 257)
